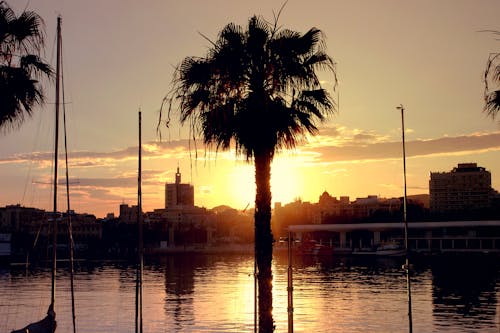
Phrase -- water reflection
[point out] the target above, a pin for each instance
(187, 293)
(179, 287)
(350, 295)
(465, 291)
(208, 293)
(353, 294)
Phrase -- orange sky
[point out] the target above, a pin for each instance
(119, 56)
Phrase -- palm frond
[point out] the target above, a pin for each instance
(19, 93)
(21, 68)
(492, 105)
(492, 76)
(36, 66)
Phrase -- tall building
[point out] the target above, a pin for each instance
(178, 194)
(465, 187)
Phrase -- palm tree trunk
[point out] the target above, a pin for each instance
(264, 240)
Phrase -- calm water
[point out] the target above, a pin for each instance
(200, 293)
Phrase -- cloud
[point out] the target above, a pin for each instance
(365, 137)
(108, 182)
(126, 180)
(458, 145)
(171, 149)
(333, 144)
(342, 136)
(205, 189)
(333, 131)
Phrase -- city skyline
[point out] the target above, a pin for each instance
(428, 56)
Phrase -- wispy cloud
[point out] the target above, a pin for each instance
(334, 144)
(458, 145)
(108, 178)
(172, 149)
(342, 136)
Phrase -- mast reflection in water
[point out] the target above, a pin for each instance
(197, 293)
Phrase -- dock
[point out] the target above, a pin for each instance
(423, 237)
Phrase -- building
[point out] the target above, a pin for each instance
(32, 227)
(15, 218)
(178, 194)
(128, 214)
(466, 187)
(332, 206)
(182, 226)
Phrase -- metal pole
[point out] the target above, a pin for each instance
(56, 152)
(140, 245)
(404, 175)
(255, 291)
(290, 284)
(407, 262)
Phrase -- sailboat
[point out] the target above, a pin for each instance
(49, 324)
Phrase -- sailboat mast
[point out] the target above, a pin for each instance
(56, 152)
(140, 245)
(406, 266)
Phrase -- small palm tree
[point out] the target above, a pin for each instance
(492, 76)
(21, 68)
(257, 90)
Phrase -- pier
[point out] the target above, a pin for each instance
(424, 237)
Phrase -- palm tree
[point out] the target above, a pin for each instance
(256, 90)
(492, 75)
(21, 68)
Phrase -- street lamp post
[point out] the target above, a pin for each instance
(406, 266)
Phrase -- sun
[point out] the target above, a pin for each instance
(286, 179)
(233, 183)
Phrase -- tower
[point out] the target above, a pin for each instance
(178, 194)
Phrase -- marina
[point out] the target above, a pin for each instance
(244, 246)
(213, 293)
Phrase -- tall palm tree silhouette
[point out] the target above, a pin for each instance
(21, 68)
(258, 91)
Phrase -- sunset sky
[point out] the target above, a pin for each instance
(119, 56)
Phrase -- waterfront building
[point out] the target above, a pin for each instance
(31, 226)
(14, 218)
(466, 187)
(85, 227)
(364, 207)
(128, 214)
(178, 194)
(359, 208)
(331, 206)
(297, 212)
(182, 225)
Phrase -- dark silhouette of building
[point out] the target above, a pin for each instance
(14, 218)
(178, 194)
(128, 214)
(466, 187)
